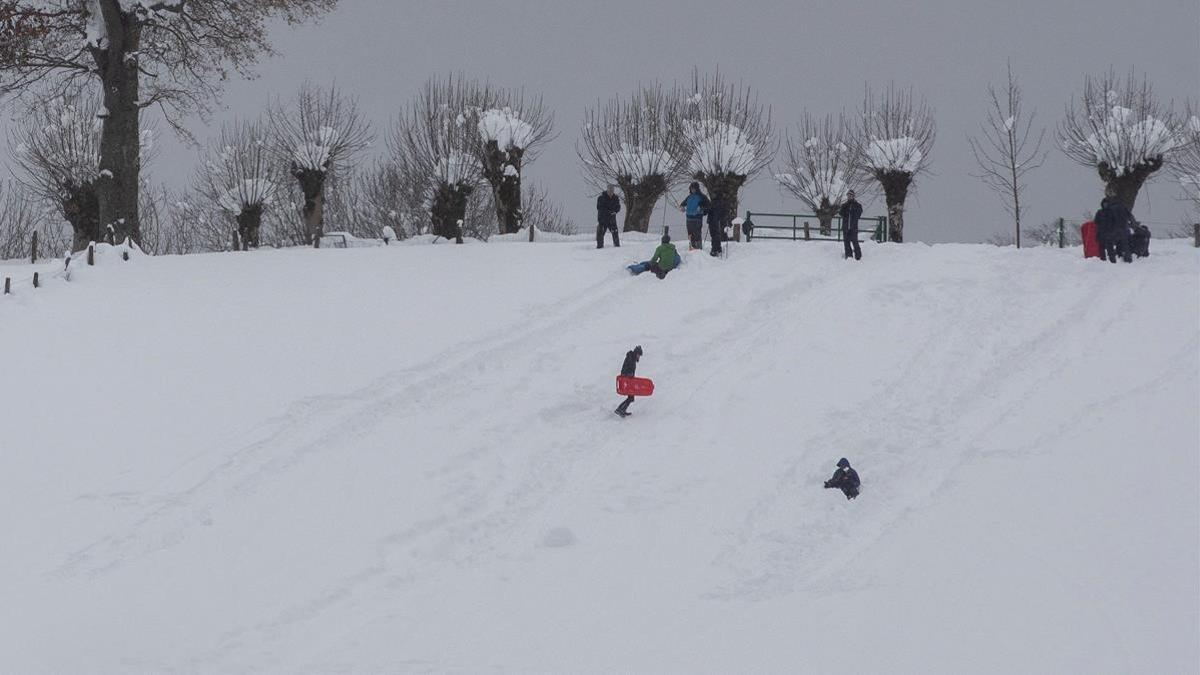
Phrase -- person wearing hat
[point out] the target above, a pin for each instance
(850, 213)
(628, 369)
(694, 206)
(608, 205)
(844, 479)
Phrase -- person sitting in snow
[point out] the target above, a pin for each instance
(665, 259)
(844, 479)
(629, 369)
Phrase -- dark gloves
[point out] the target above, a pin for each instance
(827, 485)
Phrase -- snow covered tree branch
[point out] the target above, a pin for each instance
(1121, 129)
(240, 174)
(1006, 152)
(634, 143)
(167, 53)
(896, 137)
(320, 132)
(820, 166)
(727, 135)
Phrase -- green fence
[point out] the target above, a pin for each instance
(805, 227)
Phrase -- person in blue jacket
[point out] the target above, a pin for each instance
(694, 206)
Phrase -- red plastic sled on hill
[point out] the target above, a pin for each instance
(634, 386)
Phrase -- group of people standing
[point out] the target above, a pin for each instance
(696, 207)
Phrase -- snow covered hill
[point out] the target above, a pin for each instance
(404, 459)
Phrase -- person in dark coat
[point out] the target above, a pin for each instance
(629, 369)
(844, 479)
(1139, 241)
(1113, 222)
(718, 213)
(694, 206)
(608, 205)
(850, 213)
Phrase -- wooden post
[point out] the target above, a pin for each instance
(1062, 232)
(92, 253)
(807, 232)
(7, 285)
(1196, 228)
(35, 279)
(458, 233)
(33, 248)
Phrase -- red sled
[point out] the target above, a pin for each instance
(1091, 247)
(634, 386)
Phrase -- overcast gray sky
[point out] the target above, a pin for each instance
(797, 54)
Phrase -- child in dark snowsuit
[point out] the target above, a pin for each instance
(628, 369)
(845, 479)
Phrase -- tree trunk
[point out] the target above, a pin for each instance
(724, 185)
(1125, 187)
(895, 191)
(640, 198)
(502, 170)
(120, 132)
(249, 223)
(449, 207)
(825, 216)
(312, 184)
(81, 208)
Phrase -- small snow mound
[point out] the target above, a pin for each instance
(559, 537)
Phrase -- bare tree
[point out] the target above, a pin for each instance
(240, 175)
(821, 166)
(436, 142)
(1006, 152)
(320, 132)
(56, 150)
(168, 53)
(1122, 130)
(1186, 163)
(896, 136)
(727, 135)
(634, 143)
(512, 128)
(394, 197)
(544, 214)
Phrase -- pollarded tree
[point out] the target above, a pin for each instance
(1122, 130)
(240, 175)
(727, 135)
(512, 129)
(635, 144)
(1007, 150)
(436, 144)
(896, 134)
(56, 149)
(320, 132)
(821, 166)
(1186, 164)
(142, 53)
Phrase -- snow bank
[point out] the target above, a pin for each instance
(404, 459)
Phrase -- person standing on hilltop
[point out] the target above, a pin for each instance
(608, 205)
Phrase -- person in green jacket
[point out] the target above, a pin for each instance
(665, 259)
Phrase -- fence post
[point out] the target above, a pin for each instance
(1061, 234)
(807, 234)
(793, 228)
(92, 253)
(33, 248)
(458, 233)
(7, 285)
(35, 279)
(1196, 228)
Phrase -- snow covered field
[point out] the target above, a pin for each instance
(404, 459)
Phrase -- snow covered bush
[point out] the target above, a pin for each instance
(1120, 128)
(634, 143)
(239, 174)
(896, 133)
(820, 166)
(726, 135)
(322, 131)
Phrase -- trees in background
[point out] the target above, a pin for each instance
(896, 132)
(1007, 149)
(142, 53)
(821, 165)
(1186, 164)
(319, 132)
(512, 128)
(726, 135)
(1121, 129)
(635, 143)
(239, 173)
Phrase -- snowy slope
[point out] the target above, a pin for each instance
(404, 459)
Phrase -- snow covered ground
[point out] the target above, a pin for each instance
(404, 459)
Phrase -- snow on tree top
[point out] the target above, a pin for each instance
(1124, 142)
(248, 193)
(506, 128)
(314, 155)
(720, 147)
(894, 154)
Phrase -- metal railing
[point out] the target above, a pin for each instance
(807, 227)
